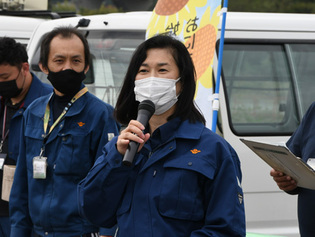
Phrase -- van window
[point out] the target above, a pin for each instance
(111, 53)
(303, 66)
(268, 86)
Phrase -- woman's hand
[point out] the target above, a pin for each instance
(133, 132)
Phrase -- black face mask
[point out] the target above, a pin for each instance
(67, 82)
(9, 89)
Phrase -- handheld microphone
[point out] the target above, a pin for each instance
(146, 109)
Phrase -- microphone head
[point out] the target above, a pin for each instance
(147, 105)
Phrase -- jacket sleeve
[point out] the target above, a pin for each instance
(21, 224)
(224, 213)
(100, 193)
(105, 130)
(300, 143)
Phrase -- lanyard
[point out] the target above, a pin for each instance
(4, 134)
(65, 110)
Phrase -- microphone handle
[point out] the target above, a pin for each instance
(143, 117)
(130, 153)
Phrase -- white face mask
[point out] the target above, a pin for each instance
(161, 91)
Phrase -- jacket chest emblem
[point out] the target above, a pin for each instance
(81, 124)
(195, 151)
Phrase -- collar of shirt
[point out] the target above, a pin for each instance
(13, 106)
(164, 133)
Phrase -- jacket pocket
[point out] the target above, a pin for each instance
(182, 193)
(74, 156)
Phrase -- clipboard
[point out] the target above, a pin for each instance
(282, 159)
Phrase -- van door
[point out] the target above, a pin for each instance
(266, 89)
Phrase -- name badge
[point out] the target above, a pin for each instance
(3, 157)
(39, 167)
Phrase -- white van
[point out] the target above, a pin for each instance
(19, 28)
(268, 82)
(20, 25)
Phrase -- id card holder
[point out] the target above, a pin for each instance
(3, 157)
(39, 167)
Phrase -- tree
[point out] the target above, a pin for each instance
(67, 6)
(289, 6)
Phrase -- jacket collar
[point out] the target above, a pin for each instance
(189, 130)
(76, 108)
(33, 91)
(169, 132)
(176, 128)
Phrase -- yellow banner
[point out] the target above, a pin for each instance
(195, 23)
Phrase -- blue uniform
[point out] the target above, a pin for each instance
(185, 182)
(37, 89)
(302, 144)
(50, 205)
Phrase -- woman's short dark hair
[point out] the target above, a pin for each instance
(67, 33)
(127, 107)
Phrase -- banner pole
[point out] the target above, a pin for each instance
(215, 106)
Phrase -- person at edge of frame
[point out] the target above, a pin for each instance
(18, 89)
(301, 144)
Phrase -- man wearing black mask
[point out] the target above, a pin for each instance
(63, 136)
(18, 89)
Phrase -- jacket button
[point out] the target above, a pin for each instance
(190, 163)
(154, 173)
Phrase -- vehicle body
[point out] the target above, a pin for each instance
(266, 87)
(21, 24)
(19, 28)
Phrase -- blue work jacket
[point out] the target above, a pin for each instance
(302, 144)
(186, 181)
(37, 89)
(50, 205)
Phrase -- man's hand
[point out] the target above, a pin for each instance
(284, 182)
